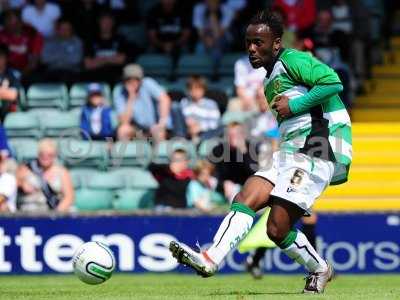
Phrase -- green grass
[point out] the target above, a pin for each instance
(174, 286)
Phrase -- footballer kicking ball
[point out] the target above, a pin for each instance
(93, 263)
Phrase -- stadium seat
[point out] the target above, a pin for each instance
(191, 64)
(22, 124)
(117, 90)
(82, 175)
(206, 147)
(135, 178)
(136, 153)
(78, 93)
(134, 34)
(164, 149)
(60, 123)
(47, 95)
(225, 84)
(235, 116)
(21, 98)
(156, 65)
(227, 64)
(25, 149)
(83, 154)
(105, 180)
(178, 85)
(91, 200)
(129, 199)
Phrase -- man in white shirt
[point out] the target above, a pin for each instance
(42, 16)
(249, 84)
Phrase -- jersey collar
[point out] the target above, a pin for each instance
(270, 67)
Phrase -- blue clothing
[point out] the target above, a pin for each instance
(195, 191)
(145, 107)
(105, 128)
(4, 141)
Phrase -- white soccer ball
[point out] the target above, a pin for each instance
(93, 263)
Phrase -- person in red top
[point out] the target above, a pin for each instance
(23, 42)
(300, 14)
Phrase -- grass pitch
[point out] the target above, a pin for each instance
(177, 286)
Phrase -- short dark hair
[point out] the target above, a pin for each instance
(270, 19)
(4, 50)
(196, 80)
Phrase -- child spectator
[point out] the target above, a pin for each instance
(202, 116)
(44, 184)
(200, 191)
(96, 116)
(173, 180)
(42, 15)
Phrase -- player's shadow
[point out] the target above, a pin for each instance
(250, 293)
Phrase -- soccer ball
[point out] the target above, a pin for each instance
(93, 263)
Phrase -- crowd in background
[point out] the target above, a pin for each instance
(95, 41)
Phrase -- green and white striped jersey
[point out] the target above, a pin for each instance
(293, 74)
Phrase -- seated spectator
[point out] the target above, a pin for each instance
(106, 54)
(212, 19)
(173, 180)
(42, 15)
(201, 192)
(8, 187)
(23, 42)
(300, 14)
(235, 160)
(168, 28)
(44, 184)
(143, 105)
(62, 55)
(9, 85)
(96, 116)
(249, 84)
(202, 116)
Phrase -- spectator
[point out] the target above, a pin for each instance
(42, 15)
(300, 14)
(143, 104)
(9, 85)
(96, 116)
(44, 184)
(202, 116)
(212, 20)
(249, 83)
(173, 180)
(342, 19)
(62, 55)
(200, 192)
(8, 187)
(24, 43)
(235, 159)
(106, 54)
(168, 28)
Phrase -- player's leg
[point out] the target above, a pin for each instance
(233, 229)
(308, 228)
(253, 262)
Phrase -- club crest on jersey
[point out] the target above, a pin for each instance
(277, 85)
(297, 177)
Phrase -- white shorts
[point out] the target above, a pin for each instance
(298, 178)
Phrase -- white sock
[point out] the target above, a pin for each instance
(232, 230)
(302, 252)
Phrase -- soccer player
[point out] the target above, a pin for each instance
(315, 151)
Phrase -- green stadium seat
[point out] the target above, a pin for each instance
(117, 90)
(164, 149)
(206, 147)
(83, 154)
(135, 33)
(136, 153)
(176, 86)
(78, 93)
(22, 124)
(105, 180)
(158, 65)
(47, 95)
(136, 178)
(25, 149)
(235, 116)
(82, 175)
(129, 199)
(21, 98)
(224, 84)
(92, 200)
(60, 123)
(191, 64)
(227, 64)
